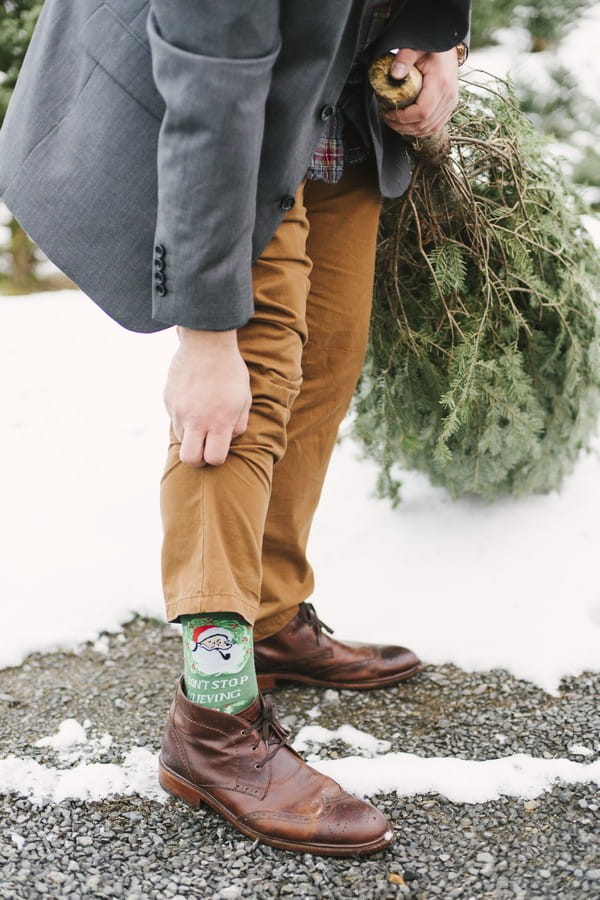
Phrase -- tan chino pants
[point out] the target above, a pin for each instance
(235, 535)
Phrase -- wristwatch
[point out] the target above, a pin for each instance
(462, 52)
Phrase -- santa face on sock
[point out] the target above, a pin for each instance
(214, 650)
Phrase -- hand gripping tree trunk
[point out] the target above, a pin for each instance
(393, 93)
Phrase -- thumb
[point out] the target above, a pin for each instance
(403, 62)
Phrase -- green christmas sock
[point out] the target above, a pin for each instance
(218, 655)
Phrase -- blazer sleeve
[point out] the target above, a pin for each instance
(430, 25)
(212, 64)
(427, 25)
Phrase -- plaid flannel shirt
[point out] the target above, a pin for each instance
(341, 144)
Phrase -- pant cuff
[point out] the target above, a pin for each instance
(211, 603)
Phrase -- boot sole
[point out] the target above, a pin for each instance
(267, 682)
(194, 796)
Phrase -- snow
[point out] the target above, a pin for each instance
(87, 781)
(69, 734)
(72, 744)
(576, 54)
(460, 780)
(511, 585)
(353, 737)
(83, 435)
(511, 56)
(374, 771)
(580, 750)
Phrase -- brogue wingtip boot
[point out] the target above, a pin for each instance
(243, 767)
(303, 652)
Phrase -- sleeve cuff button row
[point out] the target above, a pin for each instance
(160, 278)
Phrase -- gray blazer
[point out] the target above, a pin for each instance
(151, 147)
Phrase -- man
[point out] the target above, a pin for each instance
(236, 149)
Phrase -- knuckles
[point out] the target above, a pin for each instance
(191, 459)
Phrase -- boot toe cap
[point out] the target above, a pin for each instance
(353, 822)
(344, 826)
(400, 658)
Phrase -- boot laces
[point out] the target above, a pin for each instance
(271, 732)
(309, 617)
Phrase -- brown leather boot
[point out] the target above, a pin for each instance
(300, 651)
(243, 767)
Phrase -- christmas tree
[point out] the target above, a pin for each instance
(483, 368)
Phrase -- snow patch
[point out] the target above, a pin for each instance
(460, 780)
(85, 781)
(69, 733)
(71, 742)
(353, 737)
(580, 750)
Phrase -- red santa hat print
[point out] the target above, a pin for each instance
(201, 632)
(209, 637)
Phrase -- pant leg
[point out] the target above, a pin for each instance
(343, 221)
(213, 517)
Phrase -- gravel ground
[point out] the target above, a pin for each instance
(137, 848)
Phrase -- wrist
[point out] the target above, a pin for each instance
(197, 338)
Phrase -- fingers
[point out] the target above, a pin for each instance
(216, 446)
(218, 440)
(192, 446)
(200, 447)
(437, 100)
(426, 116)
(403, 61)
